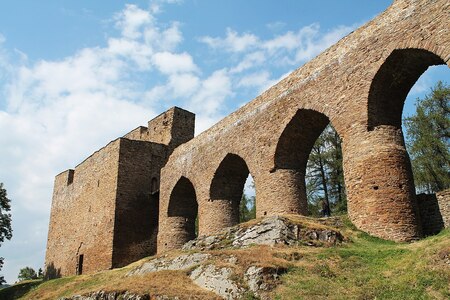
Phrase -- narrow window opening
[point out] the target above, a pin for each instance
(80, 264)
(70, 177)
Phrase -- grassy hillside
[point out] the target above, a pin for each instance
(364, 267)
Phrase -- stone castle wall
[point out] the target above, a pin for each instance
(82, 216)
(107, 208)
(434, 211)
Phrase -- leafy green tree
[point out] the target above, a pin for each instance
(324, 174)
(428, 140)
(27, 273)
(247, 208)
(5, 222)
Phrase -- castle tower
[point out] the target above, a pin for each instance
(105, 211)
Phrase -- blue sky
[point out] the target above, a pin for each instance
(75, 75)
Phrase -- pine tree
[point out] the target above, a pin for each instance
(324, 174)
(428, 140)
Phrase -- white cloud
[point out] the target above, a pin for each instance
(290, 48)
(163, 39)
(255, 79)
(131, 20)
(249, 61)
(287, 41)
(233, 42)
(209, 99)
(183, 85)
(170, 63)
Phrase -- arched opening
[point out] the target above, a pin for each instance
(383, 198)
(226, 191)
(392, 83)
(325, 187)
(182, 212)
(295, 146)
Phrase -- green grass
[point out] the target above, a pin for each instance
(365, 267)
(372, 268)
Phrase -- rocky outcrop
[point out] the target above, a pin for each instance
(223, 273)
(182, 262)
(269, 231)
(102, 295)
(217, 280)
(208, 271)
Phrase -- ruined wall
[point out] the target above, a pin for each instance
(359, 85)
(173, 128)
(82, 216)
(434, 211)
(137, 203)
(443, 199)
(106, 210)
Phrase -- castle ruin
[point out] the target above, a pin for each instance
(106, 212)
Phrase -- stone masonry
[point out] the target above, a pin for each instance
(359, 85)
(151, 185)
(105, 211)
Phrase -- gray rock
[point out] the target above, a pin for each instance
(269, 231)
(181, 262)
(102, 295)
(262, 279)
(217, 280)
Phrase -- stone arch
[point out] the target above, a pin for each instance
(291, 157)
(392, 83)
(298, 138)
(381, 192)
(226, 191)
(182, 212)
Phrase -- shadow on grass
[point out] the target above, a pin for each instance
(18, 290)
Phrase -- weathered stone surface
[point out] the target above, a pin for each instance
(181, 262)
(263, 279)
(269, 231)
(102, 295)
(217, 280)
(443, 199)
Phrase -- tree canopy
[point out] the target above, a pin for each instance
(428, 140)
(27, 273)
(324, 174)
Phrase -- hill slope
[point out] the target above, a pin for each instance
(286, 257)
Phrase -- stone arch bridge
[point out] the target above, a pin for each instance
(359, 85)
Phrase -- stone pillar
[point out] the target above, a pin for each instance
(281, 192)
(380, 186)
(218, 214)
(176, 232)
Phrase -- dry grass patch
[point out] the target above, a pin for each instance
(169, 283)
